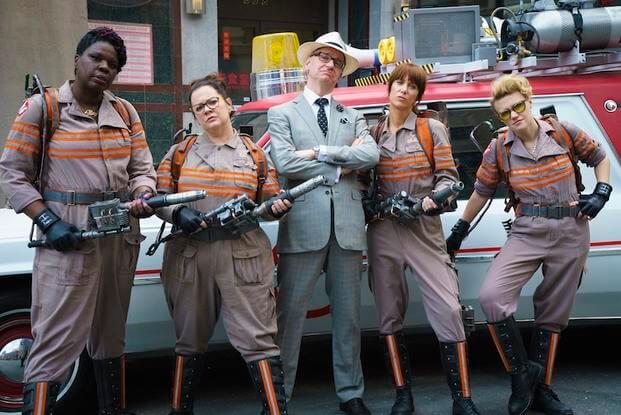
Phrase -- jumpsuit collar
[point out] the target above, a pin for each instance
(107, 114)
(388, 140)
(546, 145)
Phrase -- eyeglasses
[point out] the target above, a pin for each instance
(518, 107)
(326, 57)
(211, 103)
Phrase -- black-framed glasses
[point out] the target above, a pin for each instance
(211, 103)
(518, 107)
(326, 57)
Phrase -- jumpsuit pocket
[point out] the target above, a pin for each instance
(246, 266)
(413, 147)
(179, 261)
(246, 176)
(124, 140)
(78, 267)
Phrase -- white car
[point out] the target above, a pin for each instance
(580, 99)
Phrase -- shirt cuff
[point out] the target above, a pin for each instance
(338, 174)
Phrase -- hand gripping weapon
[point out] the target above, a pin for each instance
(240, 215)
(404, 208)
(111, 217)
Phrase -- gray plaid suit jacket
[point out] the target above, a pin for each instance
(307, 226)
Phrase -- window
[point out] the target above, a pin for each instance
(467, 157)
(256, 120)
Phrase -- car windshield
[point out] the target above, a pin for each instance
(252, 123)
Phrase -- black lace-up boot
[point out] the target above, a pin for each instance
(39, 398)
(544, 344)
(455, 363)
(398, 362)
(110, 379)
(188, 373)
(269, 381)
(525, 374)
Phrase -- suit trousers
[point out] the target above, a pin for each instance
(80, 298)
(560, 247)
(297, 275)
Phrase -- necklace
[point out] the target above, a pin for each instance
(90, 113)
(532, 151)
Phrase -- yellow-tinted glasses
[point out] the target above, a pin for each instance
(518, 107)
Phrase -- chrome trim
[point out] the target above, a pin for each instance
(13, 357)
(147, 280)
(470, 259)
(601, 127)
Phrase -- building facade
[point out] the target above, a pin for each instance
(172, 42)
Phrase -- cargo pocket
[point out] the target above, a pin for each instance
(79, 267)
(179, 261)
(246, 266)
(129, 255)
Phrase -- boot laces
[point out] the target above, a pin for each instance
(548, 393)
(469, 408)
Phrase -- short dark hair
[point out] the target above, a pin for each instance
(212, 80)
(411, 73)
(104, 34)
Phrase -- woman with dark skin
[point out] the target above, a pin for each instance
(80, 289)
(417, 244)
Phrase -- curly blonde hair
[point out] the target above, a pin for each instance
(508, 84)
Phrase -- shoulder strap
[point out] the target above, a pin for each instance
(120, 107)
(51, 98)
(564, 140)
(258, 156)
(376, 130)
(426, 140)
(503, 152)
(179, 158)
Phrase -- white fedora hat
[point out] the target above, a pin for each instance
(329, 40)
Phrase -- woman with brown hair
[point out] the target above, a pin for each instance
(415, 156)
(209, 270)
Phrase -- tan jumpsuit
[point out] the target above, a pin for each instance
(79, 297)
(559, 246)
(235, 277)
(419, 245)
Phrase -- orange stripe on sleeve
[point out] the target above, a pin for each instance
(21, 149)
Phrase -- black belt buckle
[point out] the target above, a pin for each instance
(70, 197)
(555, 212)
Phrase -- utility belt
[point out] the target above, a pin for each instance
(79, 198)
(215, 234)
(550, 212)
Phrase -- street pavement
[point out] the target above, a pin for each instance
(588, 377)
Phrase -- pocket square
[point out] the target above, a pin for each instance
(344, 121)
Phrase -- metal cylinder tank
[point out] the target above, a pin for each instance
(556, 29)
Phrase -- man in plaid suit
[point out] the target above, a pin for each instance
(325, 229)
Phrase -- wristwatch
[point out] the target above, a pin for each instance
(316, 150)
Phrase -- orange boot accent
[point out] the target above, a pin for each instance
(395, 361)
(177, 383)
(268, 387)
(499, 347)
(554, 337)
(462, 360)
